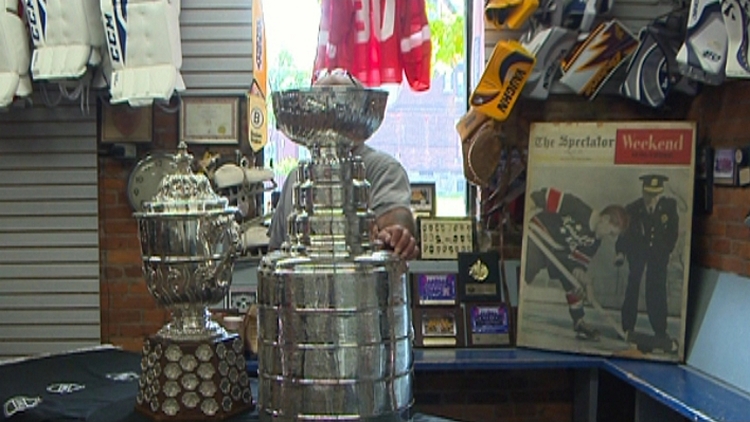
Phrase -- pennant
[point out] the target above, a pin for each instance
(256, 102)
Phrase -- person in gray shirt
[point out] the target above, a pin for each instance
(390, 197)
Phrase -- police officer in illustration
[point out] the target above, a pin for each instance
(647, 244)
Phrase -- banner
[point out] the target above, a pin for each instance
(256, 101)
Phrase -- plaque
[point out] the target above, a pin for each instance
(122, 123)
(487, 324)
(445, 238)
(209, 120)
(479, 276)
(435, 289)
(439, 327)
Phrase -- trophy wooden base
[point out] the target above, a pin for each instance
(202, 380)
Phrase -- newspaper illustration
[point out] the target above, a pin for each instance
(606, 240)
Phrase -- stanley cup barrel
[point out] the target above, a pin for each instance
(335, 333)
(192, 369)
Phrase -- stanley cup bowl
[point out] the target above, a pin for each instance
(329, 115)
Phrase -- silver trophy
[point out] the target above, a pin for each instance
(334, 324)
(192, 368)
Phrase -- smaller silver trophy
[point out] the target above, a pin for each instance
(192, 369)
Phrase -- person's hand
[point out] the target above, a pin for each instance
(400, 240)
(619, 259)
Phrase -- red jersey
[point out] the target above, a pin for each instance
(377, 41)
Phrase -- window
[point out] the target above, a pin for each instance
(419, 128)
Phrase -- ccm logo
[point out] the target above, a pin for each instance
(113, 42)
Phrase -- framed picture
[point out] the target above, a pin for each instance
(122, 123)
(434, 289)
(732, 166)
(479, 277)
(210, 119)
(439, 327)
(724, 166)
(423, 199)
(445, 237)
(611, 204)
(487, 324)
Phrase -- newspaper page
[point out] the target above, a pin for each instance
(606, 239)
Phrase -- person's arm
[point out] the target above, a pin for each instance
(397, 216)
(390, 198)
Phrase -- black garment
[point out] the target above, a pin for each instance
(647, 244)
(98, 385)
(566, 222)
(80, 386)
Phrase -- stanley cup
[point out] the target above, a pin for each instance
(193, 370)
(334, 323)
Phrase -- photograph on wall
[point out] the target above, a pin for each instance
(606, 240)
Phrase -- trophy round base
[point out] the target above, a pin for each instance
(193, 380)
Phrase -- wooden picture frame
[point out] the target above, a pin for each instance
(423, 199)
(210, 119)
(121, 123)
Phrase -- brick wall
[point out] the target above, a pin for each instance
(128, 312)
(721, 240)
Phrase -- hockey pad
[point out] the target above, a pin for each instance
(588, 67)
(469, 123)
(549, 46)
(503, 79)
(509, 14)
(14, 55)
(736, 20)
(481, 153)
(67, 36)
(580, 14)
(145, 52)
(703, 55)
(653, 71)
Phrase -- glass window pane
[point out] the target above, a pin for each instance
(419, 127)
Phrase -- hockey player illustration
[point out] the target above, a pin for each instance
(564, 235)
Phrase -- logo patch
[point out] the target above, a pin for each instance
(20, 404)
(123, 376)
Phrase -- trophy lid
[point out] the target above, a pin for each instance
(329, 115)
(185, 192)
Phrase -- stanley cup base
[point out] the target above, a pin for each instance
(202, 380)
